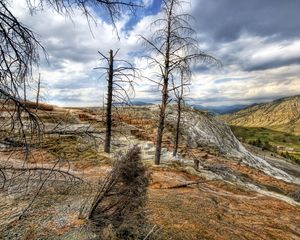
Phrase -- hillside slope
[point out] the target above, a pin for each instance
(204, 130)
(280, 115)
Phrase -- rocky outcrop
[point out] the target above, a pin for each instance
(201, 129)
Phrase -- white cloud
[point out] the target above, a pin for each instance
(148, 3)
(72, 46)
(255, 67)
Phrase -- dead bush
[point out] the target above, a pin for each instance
(122, 197)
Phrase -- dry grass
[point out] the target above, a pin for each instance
(75, 149)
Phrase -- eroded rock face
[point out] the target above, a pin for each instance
(201, 129)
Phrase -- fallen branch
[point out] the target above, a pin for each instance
(186, 184)
(67, 132)
(52, 170)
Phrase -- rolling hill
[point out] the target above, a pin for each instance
(280, 115)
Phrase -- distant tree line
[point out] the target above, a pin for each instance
(290, 156)
(266, 146)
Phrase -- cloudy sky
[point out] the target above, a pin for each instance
(258, 42)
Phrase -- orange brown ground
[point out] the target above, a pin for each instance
(208, 210)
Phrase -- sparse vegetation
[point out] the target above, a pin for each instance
(281, 115)
(284, 144)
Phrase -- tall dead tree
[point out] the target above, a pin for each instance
(120, 80)
(172, 49)
(179, 92)
(109, 102)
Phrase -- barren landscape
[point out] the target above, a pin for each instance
(224, 198)
(149, 120)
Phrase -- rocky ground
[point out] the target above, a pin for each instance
(226, 197)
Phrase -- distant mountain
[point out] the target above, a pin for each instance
(141, 103)
(281, 115)
(218, 110)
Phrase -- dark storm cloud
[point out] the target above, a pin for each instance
(252, 38)
(151, 89)
(226, 20)
(230, 28)
(274, 63)
(72, 50)
(201, 68)
(66, 99)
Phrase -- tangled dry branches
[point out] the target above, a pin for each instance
(122, 196)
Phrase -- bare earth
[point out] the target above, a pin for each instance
(223, 199)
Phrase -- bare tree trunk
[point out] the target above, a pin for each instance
(165, 91)
(161, 124)
(109, 103)
(38, 93)
(176, 142)
(103, 108)
(24, 91)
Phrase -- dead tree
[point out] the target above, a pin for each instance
(177, 130)
(120, 80)
(109, 102)
(18, 55)
(179, 92)
(172, 49)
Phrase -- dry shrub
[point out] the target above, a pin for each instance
(122, 198)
